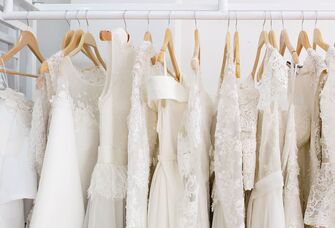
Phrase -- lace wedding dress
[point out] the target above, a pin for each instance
(194, 145)
(70, 155)
(107, 190)
(17, 175)
(141, 139)
(321, 204)
(168, 98)
(265, 207)
(228, 188)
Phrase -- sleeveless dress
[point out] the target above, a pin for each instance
(17, 175)
(70, 155)
(265, 207)
(194, 145)
(141, 139)
(228, 193)
(168, 98)
(107, 191)
(320, 211)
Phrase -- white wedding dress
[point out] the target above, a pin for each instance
(141, 139)
(228, 199)
(265, 207)
(168, 98)
(107, 191)
(194, 145)
(18, 181)
(70, 154)
(320, 210)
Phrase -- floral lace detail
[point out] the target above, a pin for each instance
(108, 181)
(320, 206)
(189, 157)
(139, 142)
(248, 100)
(39, 125)
(274, 83)
(228, 151)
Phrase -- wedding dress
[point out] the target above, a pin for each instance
(168, 98)
(194, 145)
(17, 175)
(107, 190)
(141, 139)
(228, 196)
(70, 155)
(289, 163)
(265, 207)
(321, 205)
(307, 119)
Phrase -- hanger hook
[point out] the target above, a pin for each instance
(169, 21)
(316, 18)
(282, 20)
(87, 25)
(303, 20)
(264, 19)
(195, 20)
(235, 20)
(27, 20)
(148, 20)
(124, 20)
(65, 17)
(77, 14)
(228, 21)
(271, 20)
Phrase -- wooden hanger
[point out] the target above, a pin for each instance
(303, 41)
(168, 43)
(67, 38)
(227, 48)
(318, 40)
(237, 54)
(28, 39)
(196, 50)
(87, 40)
(272, 35)
(147, 34)
(105, 35)
(263, 39)
(285, 43)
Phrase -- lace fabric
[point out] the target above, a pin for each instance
(141, 140)
(320, 206)
(228, 151)
(248, 100)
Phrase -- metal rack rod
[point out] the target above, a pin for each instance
(173, 15)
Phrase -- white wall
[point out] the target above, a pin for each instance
(212, 35)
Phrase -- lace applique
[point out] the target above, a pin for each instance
(320, 206)
(141, 140)
(108, 181)
(274, 83)
(228, 152)
(248, 100)
(189, 157)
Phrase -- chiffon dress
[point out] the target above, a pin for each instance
(18, 181)
(107, 191)
(70, 154)
(168, 98)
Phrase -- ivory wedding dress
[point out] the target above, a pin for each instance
(141, 139)
(194, 145)
(70, 155)
(17, 175)
(228, 189)
(107, 192)
(168, 98)
(265, 207)
(321, 204)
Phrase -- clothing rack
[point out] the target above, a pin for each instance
(165, 13)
